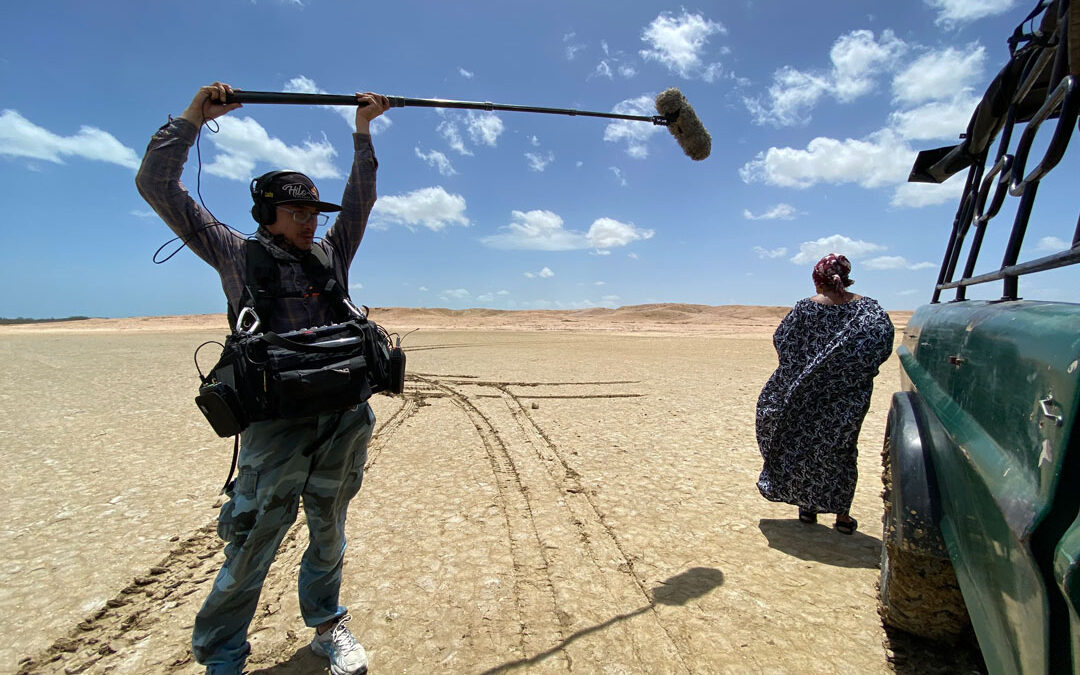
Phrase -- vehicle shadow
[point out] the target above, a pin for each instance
(911, 655)
(820, 543)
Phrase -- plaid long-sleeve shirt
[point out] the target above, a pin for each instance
(159, 184)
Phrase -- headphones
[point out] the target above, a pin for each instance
(263, 211)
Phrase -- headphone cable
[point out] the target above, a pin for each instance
(198, 191)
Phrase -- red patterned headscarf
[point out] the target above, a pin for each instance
(832, 272)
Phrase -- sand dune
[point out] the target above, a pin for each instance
(660, 317)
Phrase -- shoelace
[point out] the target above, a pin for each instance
(341, 638)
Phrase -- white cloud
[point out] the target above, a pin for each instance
(678, 43)
(437, 160)
(792, 92)
(19, 137)
(572, 47)
(857, 58)
(484, 127)
(1052, 244)
(432, 207)
(894, 262)
(948, 70)
(618, 174)
(939, 86)
(607, 233)
(454, 294)
(535, 230)
(634, 134)
(960, 11)
(539, 162)
(763, 252)
(627, 71)
(305, 85)
(935, 120)
(916, 195)
(883, 158)
(602, 70)
(468, 75)
(242, 143)
(448, 129)
(546, 273)
(812, 251)
(543, 231)
(138, 213)
(779, 212)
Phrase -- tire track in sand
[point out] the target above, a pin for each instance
(572, 574)
(583, 505)
(533, 593)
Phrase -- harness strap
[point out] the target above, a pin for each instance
(285, 343)
(262, 281)
(232, 467)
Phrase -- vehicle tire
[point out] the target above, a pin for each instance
(917, 593)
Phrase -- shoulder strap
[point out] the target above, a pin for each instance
(319, 268)
(262, 283)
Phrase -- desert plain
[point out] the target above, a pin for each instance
(554, 492)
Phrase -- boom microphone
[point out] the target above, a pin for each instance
(675, 113)
(684, 125)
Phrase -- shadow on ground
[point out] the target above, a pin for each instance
(302, 662)
(911, 655)
(675, 591)
(678, 590)
(821, 543)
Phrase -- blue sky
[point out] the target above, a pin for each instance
(816, 112)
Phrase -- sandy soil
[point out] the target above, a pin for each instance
(554, 492)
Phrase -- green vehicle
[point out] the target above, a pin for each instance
(981, 462)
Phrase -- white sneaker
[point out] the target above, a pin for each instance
(346, 655)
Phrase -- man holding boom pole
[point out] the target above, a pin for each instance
(319, 459)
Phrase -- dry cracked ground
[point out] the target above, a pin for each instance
(540, 499)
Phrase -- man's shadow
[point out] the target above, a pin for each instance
(818, 542)
(676, 591)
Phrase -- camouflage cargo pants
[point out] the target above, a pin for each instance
(320, 459)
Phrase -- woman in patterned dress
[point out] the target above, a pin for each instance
(811, 409)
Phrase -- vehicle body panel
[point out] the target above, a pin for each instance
(992, 381)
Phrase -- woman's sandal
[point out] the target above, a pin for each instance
(846, 526)
(807, 516)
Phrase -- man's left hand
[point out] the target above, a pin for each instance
(376, 104)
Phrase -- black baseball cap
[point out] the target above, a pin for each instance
(290, 187)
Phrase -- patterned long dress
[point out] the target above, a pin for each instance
(811, 409)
